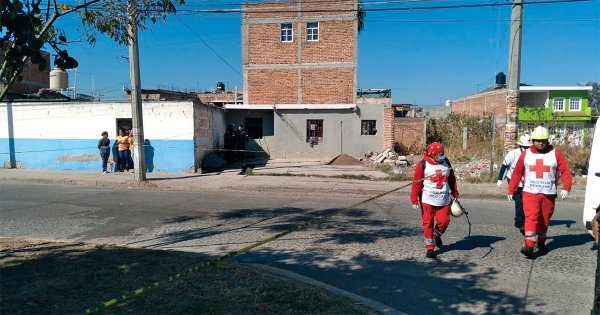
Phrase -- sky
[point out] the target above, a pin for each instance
(424, 56)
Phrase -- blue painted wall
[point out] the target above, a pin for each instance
(82, 154)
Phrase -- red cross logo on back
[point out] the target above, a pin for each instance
(438, 178)
(539, 168)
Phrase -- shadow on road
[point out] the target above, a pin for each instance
(473, 242)
(561, 241)
(409, 285)
(567, 223)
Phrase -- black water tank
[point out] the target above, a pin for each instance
(220, 87)
(500, 78)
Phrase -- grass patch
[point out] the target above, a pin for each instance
(484, 177)
(406, 175)
(63, 278)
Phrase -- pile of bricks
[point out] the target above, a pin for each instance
(388, 157)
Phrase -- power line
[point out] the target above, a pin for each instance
(413, 8)
(209, 47)
(487, 20)
(341, 10)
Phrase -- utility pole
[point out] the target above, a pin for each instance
(514, 75)
(136, 96)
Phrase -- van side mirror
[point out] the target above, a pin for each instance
(597, 174)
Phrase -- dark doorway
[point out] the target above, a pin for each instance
(123, 123)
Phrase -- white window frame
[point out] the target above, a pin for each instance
(289, 33)
(311, 36)
(578, 104)
(554, 109)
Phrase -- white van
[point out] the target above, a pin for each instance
(592, 188)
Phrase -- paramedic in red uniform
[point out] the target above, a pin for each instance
(540, 166)
(433, 182)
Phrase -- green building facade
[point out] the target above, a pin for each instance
(565, 111)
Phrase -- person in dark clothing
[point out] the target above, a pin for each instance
(510, 160)
(241, 137)
(104, 147)
(229, 143)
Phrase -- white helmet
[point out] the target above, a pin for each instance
(524, 141)
(456, 209)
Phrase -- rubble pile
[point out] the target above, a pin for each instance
(388, 157)
(474, 168)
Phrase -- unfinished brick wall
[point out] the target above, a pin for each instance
(327, 86)
(410, 133)
(388, 127)
(33, 78)
(336, 43)
(324, 70)
(273, 86)
(482, 104)
(265, 46)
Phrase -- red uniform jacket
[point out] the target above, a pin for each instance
(562, 165)
(417, 186)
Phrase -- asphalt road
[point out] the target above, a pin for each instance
(375, 250)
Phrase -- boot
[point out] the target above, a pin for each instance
(542, 248)
(430, 254)
(438, 242)
(527, 251)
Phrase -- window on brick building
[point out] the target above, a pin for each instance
(254, 127)
(287, 33)
(559, 104)
(314, 131)
(312, 31)
(368, 127)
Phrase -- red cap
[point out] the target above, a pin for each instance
(434, 149)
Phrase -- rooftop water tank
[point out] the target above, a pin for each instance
(59, 79)
(220, 87)
(500, 78)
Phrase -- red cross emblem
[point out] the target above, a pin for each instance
(438, 178)
(539, 168)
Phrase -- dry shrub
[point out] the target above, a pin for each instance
(449, 131)
(578, 157)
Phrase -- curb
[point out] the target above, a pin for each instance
(151, 185)
(380, 307)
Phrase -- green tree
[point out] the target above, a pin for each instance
(594, 100)
(361, 14)
(26, 26)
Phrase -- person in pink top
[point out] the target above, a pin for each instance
(433, 183)
(539, 166)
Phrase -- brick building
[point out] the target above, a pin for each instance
(299, 62)
(300, 52)
(33, 79)
(564, 109)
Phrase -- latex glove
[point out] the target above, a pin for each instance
(415, 207)
(564, 194)
(510, 197)
(499, 184)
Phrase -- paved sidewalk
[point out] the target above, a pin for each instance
(231, 180)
